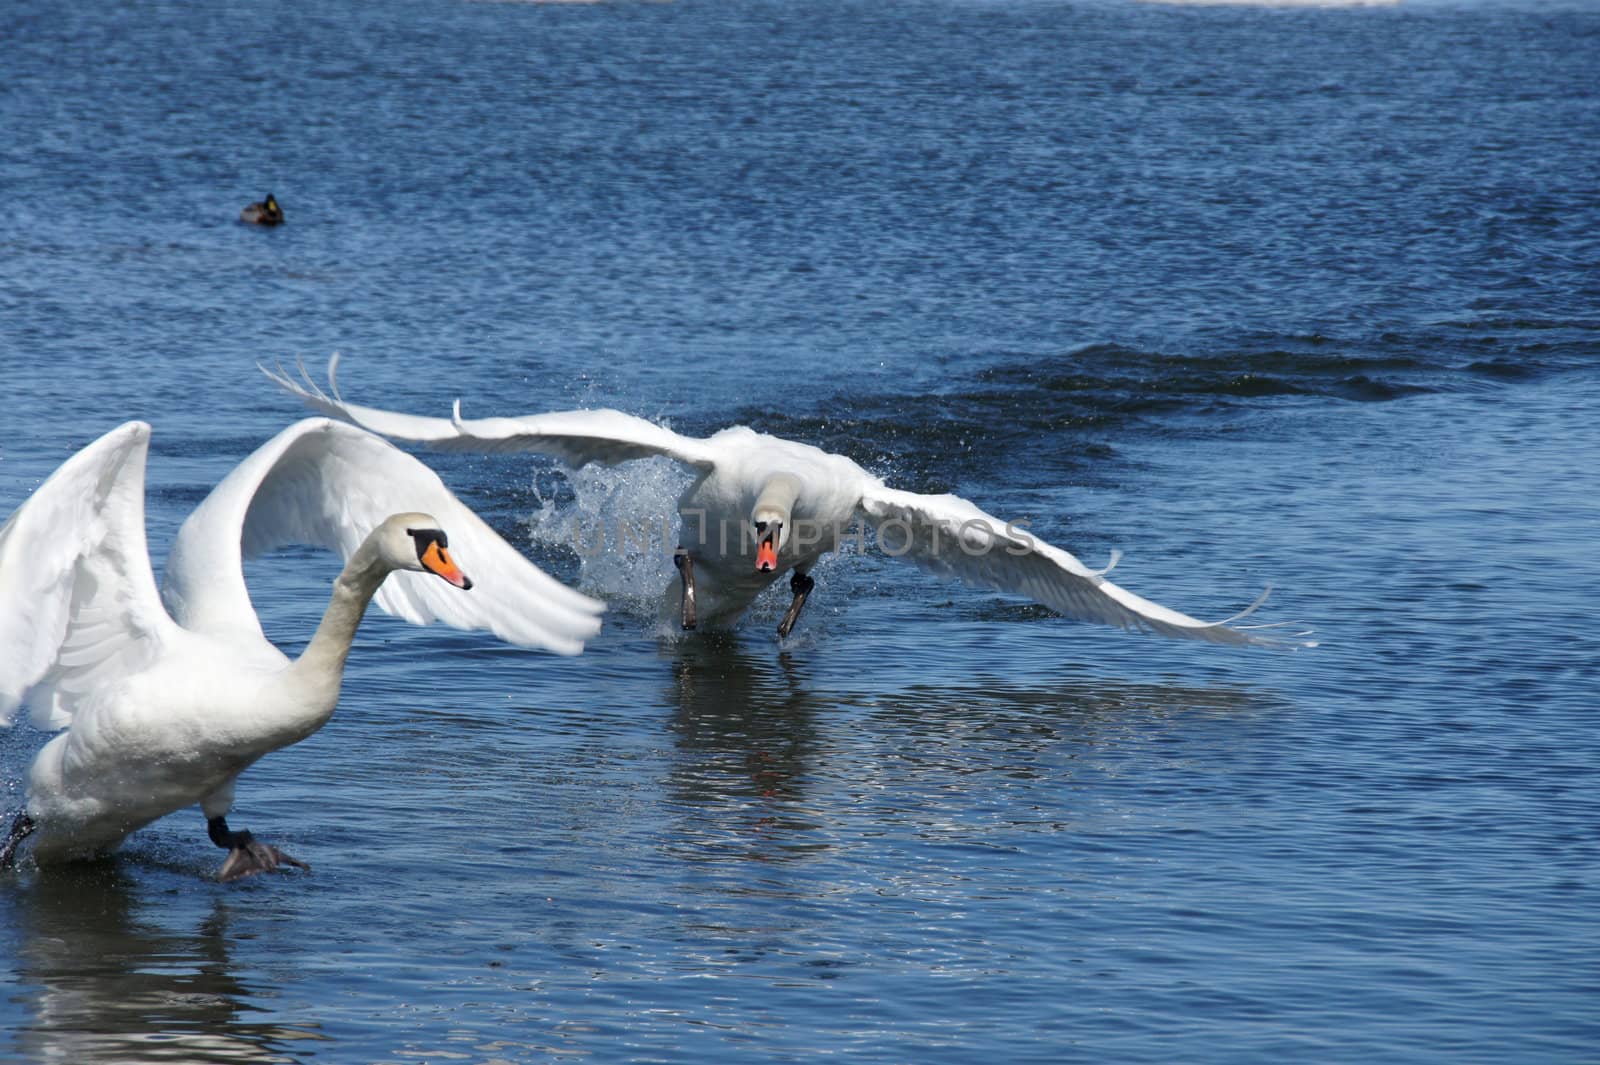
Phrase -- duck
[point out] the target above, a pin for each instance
(164, 696)
(761, 506)
(263, 213)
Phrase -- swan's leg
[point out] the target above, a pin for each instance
(21, 829)
(800, 584)
(246, 854)
(685, 564)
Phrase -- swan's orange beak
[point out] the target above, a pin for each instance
(767, 553)
(437, 560)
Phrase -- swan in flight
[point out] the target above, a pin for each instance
(164, 710)
(761, 506)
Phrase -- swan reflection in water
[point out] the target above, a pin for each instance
(109, 975)
(746, 736)
(778, 758)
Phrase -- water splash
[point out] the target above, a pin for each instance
(620, 521)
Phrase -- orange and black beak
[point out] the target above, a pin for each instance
(434, 555)
(767, 547)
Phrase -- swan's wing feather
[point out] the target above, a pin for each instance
(576, 437)
(389, 423)
(78, 602)
(329, 484)
(951, 536)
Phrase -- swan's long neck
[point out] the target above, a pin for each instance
(320, 666)
(776, 500)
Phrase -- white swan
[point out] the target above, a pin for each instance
(761, 506)
(164, 711)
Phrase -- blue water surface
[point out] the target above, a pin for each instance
(1256, 296)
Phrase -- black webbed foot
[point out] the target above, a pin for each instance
(252, 857)
(801, 585)
(247, 855)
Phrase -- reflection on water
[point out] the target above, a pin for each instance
(853, 817)
(110, 978)
(768, 765)
(746, 738)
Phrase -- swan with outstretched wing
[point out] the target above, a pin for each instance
(165, 703)
(761, 506)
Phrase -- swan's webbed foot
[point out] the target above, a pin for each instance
(800, 584)
(246, 854)
(21, 829)
(685, 564)
(251, 857)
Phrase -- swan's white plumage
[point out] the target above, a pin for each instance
(164, 711)
(950, 536)
(78, 601)
(575, 437)
(326, 483)
(946, 534)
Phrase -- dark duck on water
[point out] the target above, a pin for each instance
(265, 213)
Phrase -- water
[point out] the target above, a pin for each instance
(1257, 296)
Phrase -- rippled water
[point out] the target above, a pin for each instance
(1304, 298)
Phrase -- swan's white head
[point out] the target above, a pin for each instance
(771, 517)
(415, 542)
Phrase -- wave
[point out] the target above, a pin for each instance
(1017, 404)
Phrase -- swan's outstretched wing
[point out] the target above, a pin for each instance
(329, 484)
(950, 536)
(78, 602)
(576, 437)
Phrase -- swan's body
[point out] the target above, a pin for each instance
(745, 481)
(162, 710)
(812, 493)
